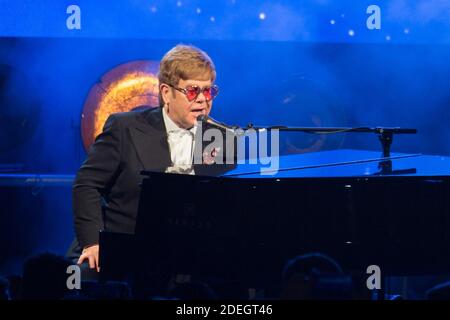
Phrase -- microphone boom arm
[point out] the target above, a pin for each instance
(385, 134)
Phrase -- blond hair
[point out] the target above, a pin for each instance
(185, 62)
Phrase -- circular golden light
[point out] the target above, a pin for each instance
(127, 87)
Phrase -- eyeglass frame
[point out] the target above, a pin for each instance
(184, 91)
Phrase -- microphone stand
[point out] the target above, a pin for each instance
(385, 134)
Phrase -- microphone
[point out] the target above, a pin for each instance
(215, 123)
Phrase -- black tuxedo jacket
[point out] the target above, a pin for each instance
(106, 189)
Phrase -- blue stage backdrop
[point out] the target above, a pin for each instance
(298, 63)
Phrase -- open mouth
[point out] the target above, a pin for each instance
(198, 111)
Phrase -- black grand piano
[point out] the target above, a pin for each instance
(238, 224)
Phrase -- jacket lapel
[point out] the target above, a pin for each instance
(150, 140)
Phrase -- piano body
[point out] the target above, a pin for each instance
(355, 206)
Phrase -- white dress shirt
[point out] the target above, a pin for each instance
(181, 143)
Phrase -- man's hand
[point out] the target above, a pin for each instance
(91, 254)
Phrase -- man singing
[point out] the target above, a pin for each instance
(106, 189)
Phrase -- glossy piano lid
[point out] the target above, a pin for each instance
(344, 163)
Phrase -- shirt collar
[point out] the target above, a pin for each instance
(171, 126)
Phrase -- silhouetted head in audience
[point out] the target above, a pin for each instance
(4, 289)
(439, 292)
(314, 276)
(44, 277)
(15, 283)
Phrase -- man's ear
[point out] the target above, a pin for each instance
(165, 92)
